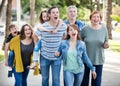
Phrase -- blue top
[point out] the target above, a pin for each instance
(81, 53)
(79, 23)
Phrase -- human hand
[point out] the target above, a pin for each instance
(94, 75)
(50, 31)
(54, 31)
(106, 45)
(32, 66)
(41, 28)
(57, 53)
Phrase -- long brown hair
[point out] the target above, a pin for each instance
(67, 36)
(40, 17)
(22, 31)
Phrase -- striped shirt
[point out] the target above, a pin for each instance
(50, 42)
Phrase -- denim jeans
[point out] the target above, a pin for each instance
(55, 68)
(97, 81)
(21, 77)
(10, 58)
(72, 79)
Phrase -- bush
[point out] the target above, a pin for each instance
(114, 45)
(116, 18)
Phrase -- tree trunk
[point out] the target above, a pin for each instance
(32, 8)
(8, 16)
(98, 5)
(108, 18)
(1, 6)
(91, 6)
(8, 19)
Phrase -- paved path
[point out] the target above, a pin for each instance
(111, 73)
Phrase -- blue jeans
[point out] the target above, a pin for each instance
(97, 81)
(10, 58)
(45, 67)
(21, 77)
(72, 79)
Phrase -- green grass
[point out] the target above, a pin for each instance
(117, 30)
(1, 57)
(114, 45)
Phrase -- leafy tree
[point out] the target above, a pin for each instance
(116, 18)
(116, 10)
(117, 2)
(25, 5)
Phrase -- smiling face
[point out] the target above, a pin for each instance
(95, 18)
(72, 12)
(14, 31)
(72, 32)
(27, 31)
(45, 16)
(54, 15)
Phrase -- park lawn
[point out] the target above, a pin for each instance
(1, 55)
(114, 45)
(117, 30)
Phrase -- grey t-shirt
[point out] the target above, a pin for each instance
(94, 40)
(26, 52)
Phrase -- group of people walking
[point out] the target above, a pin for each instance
(71, 43)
